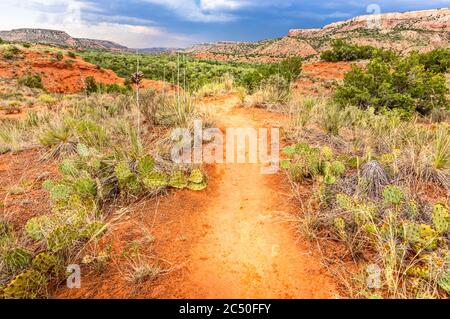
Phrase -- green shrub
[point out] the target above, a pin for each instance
(191, 73)
(90, 85)
(59, 56)
(404, 85)
(343, 51)
(275, 90)
(10, 51)
(437, 61)
(32, 81)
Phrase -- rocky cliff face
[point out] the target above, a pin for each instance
(403, 32)
(426, 20)
(59, 38)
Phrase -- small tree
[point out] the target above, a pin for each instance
(31, 81)
(90, 85)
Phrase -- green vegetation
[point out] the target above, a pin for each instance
(91, 86)
(31, 81)
(10, 51)
(343, 51)
(190, 73)
(410, 84)
(102, 161)
(366, 199)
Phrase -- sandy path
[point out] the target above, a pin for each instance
(248, 252)
(230, 241)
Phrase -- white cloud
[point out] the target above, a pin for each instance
(68, 15)
(214, 10)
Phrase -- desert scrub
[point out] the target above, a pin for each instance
(10, 51)
(275, 91)
(408, 85)
(31, 81)
(47, 99)
(378, 222)
(331, 119)
(307, 162)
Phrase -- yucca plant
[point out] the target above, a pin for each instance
(332, 119)
(441, 158)
(59, 140)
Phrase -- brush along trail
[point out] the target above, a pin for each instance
(229, 241)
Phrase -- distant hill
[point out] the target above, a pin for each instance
(159, 50)
(402, 32)
(59, 38)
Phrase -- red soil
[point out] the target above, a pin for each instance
(317, 77)
(21, 194)
(233, 240)
(65, 76)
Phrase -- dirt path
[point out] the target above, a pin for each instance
(231, 241)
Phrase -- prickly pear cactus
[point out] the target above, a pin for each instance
(363, 214)
(413, 232)
(37, 228)
(128, 181)
(146, 166)
(123, 172)
(29, 284)
(60, 193)
(86, 187)
(411, 210)
(17, 259)
(419, 271)
(178, 180)
(329, 180)
(441, 218)
(94, 229)
(47, 263)
(327, 153)
(196, 176)
(422, 236)
(61, 238)
(345, 202)
(337, 168)
(155, 180)
(393, 195)
(197, 180)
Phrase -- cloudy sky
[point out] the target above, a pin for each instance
(179, 23)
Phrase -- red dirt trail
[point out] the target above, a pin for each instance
(231, 241)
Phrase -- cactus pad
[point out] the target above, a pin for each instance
(441, 218)
(17, 259)
(38, 227)
(47, 263)
(93, 229)
(156, 180)
(146, 166)
(61, 238)
(29, 284)
(393, 195)
(345, 202)
(85, 187)
(178, 180)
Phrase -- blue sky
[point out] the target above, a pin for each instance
(180, 23)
